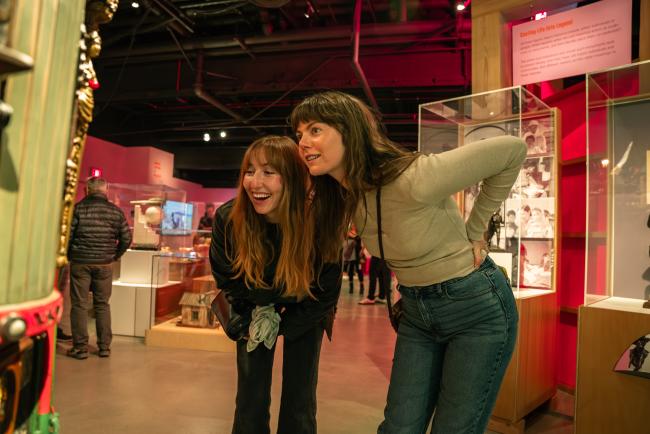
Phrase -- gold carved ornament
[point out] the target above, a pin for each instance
(90, 44)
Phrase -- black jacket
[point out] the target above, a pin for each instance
(297, 318)
(99, 233)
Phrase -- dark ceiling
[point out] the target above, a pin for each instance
(172, 70)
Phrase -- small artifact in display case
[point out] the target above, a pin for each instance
(146, 218)
(634, 361)
(195, 310)
(494, 228)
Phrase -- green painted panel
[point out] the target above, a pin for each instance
(37, 141)
(22, 275)
(17, 94)
(65, 56)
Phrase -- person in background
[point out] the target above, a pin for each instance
(379, 271)
(206, 221)
(99, 236)
(459, 322)
(277, 256)
(353, 259)
(64, 329)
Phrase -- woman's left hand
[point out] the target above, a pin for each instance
(480, 250)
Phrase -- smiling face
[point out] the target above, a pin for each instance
(263, 186)
(321, 147)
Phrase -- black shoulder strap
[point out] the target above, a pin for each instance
(380, 236)
(379, 233)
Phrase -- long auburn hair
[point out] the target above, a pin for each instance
(370, 158)
(295, 268)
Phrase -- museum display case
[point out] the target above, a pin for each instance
(123, 194)
(151, 284)
(523, 231)
(521, 234)
(179, 308)
(617, 269)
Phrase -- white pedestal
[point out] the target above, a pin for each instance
(133, 307)
(143, 266)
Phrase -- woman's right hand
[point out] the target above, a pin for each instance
(480, 250)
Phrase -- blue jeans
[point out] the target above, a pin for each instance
(454, 343)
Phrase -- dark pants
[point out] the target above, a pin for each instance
(299, 379)
(378, 271)
(63, 285)
(352, 268)
(99, 280)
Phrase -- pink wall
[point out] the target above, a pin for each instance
(142, 165)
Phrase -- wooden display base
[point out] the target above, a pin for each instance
(530, 378)
(168, 334)
(503, 426)
(608, 401)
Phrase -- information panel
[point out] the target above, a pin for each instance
(581, 40)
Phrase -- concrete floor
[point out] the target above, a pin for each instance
(142, 389)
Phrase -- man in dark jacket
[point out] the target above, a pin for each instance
(99, 235)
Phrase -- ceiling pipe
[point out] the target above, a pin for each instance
(205, 95)
(179, 16)
(370, 47)
(282, 39)
(356, 66)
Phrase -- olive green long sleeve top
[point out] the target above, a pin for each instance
(425, 238)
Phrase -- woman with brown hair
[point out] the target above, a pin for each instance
(459, 322)
(271, 257)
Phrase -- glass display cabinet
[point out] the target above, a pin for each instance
(521, 233)
(614, 322)
(123, 195)
(182, 290)
(166, 254)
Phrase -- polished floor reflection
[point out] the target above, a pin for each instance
(142, 389)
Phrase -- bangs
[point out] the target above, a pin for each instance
(312, 109)
(279, 152)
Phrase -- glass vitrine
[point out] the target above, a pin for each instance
(522, 232)
(618, 187)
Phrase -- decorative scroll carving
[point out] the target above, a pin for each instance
(90, 44)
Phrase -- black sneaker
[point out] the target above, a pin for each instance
(104, 353)
(60, 336)
(78, 354)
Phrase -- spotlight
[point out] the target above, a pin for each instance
(223, 134)
(461, 5)
(206, 137)
(310, 10)
(135, 5)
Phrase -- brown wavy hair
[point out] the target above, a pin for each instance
(370, 158)
(295, 268)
